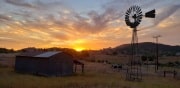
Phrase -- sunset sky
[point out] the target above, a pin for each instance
(84, 24)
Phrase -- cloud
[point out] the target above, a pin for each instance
(97, 22)
(36, 4)
(163, 14)
(44, 22)
(92, 23)
(4, 17)
(60, 35)
(60, 25)
(166, 12)
(20, 3)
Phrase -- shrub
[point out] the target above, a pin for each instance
(171, 64)
(177, 62)
(143, 58)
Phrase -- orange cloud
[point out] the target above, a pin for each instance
(53, 24)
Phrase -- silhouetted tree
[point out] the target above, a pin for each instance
(143, 58)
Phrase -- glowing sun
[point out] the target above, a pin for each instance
(79, 49)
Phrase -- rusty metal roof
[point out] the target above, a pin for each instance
(48, 54)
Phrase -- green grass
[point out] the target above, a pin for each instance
(10, 79)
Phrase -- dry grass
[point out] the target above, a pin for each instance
(169, 59)
(90, 79)
(97, 75)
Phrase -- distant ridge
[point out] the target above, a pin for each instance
(149, 48)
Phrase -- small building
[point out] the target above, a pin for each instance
(53, 63)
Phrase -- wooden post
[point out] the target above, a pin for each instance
(75, 68)
(175, 74)
(147, 65)
(164, 73)
(83, 68)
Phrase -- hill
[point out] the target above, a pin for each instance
(148, 48)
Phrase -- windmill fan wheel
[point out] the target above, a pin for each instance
(133, 16)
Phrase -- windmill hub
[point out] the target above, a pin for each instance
(134, 16)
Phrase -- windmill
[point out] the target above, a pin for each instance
(133, 18)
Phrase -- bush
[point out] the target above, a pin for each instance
(151, 58)
(171, 64)
(92, 60)
(177, 62)
(144, 58)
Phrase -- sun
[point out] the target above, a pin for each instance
(79, 49)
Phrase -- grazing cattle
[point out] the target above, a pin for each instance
(116, 66)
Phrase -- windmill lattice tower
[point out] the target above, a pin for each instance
(133, 18)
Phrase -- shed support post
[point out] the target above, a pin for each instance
(75, 68)
(83, 68)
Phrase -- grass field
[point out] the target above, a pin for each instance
(90, 79)
(97, 75)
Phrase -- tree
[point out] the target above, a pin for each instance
(143, 58)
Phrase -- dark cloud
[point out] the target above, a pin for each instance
(4, 17)
(36, 4)
(168, 11)
(20, 3)
(96, 22)
(60, 35)
(164, 14)
(7, 41)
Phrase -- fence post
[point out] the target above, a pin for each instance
(175, 73)
(164, 73)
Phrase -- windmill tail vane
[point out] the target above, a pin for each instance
(151, 14)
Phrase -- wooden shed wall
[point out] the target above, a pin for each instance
(58, 65)
(25, 65)
(61, 64)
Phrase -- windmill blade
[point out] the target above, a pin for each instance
(128, 11)
(150, 14)
(138, 9)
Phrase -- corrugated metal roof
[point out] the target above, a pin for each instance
(30, 54)
(48, 54)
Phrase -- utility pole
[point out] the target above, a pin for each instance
(157, 52)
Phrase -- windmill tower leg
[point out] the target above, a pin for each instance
(134, 68)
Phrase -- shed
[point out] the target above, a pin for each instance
(52, 63)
